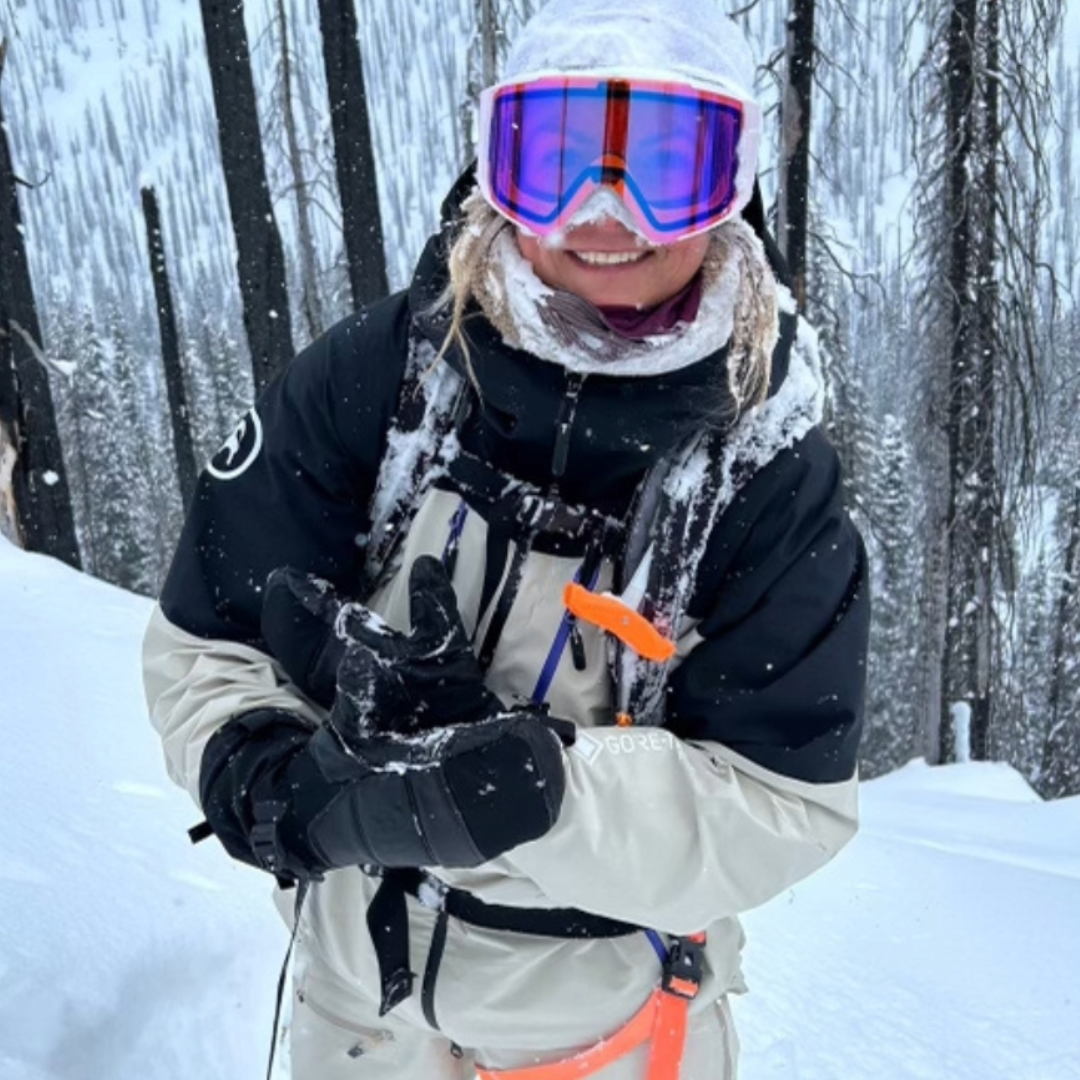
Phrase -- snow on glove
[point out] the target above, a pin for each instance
(385, 680)
(299, 803)
(299, 615)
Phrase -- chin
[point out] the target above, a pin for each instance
(620, 298)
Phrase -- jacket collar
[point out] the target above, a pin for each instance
(618, 427)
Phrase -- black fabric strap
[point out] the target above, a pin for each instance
(431, 968)
(388, 925)
(505, 600)
(199, 833)
(542, 922)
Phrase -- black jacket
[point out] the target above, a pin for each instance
(781, 592)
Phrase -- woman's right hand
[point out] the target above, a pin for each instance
(299, 803)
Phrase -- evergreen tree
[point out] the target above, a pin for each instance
(892, 727)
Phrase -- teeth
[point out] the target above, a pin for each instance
(610, 258)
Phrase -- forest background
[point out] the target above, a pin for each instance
(933, 220)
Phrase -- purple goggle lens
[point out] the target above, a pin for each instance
(670, 151)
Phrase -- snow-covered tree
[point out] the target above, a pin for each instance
(892, 726)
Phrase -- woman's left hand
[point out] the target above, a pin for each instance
(377, 678)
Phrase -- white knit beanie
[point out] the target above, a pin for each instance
(676, 39)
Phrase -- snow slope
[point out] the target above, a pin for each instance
(944, 942)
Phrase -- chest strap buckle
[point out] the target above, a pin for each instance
(684, 966)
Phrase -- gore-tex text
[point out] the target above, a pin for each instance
(620, 741)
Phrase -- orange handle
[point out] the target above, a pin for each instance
(611, 614)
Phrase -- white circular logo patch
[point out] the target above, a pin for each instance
(240, 450)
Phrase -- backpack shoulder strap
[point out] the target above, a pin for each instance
(420, 444)
(677, 511)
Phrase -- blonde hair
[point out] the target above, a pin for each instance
(755, 326)
(467, 262)
(734, 248)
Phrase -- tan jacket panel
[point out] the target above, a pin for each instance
(675, 835)
(193, 686)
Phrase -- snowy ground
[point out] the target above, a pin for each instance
(944, 943)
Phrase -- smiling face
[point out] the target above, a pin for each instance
(603, 262)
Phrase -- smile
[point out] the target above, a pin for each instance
(610, 258)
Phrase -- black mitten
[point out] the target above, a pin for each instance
(300, 803)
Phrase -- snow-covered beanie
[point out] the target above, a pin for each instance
(673, 39)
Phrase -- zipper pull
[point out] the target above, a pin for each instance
(577, 647)
(564, 421)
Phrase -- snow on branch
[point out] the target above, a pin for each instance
(61, 367)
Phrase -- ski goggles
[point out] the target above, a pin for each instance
(681, 157)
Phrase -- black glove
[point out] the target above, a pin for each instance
(299, 803)
(385, 680)
(299, 615)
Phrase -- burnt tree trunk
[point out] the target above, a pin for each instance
(260, 257)
(37, 495)
(985, 504)
(793, 197)
(353, 151)
(179, 413)
(489, 42)
(962, 385)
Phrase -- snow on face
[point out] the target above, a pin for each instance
(601, 206)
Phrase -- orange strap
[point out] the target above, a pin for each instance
(669, 1037)
(611, 614)
(662, 1018)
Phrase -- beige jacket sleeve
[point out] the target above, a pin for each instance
(676, 835)
(194, 686)
(653, 830)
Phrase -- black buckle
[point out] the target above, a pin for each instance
(684, 967)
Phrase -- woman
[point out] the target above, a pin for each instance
(521, 624)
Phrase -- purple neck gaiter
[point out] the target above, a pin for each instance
(636, 324)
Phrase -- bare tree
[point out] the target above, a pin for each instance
(793, 195)
(311, 301)
(488, 20)
(978, 198)
(261, 260)
(33, 479)
(1060, 771)
(353, 151)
